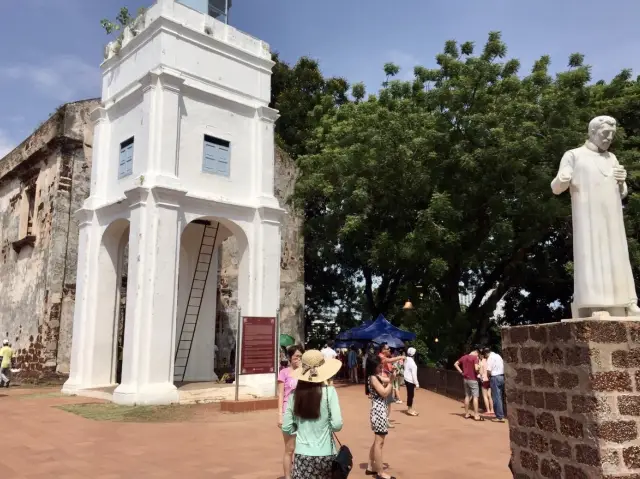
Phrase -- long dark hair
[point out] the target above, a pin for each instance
(307, 398)
(373, 362)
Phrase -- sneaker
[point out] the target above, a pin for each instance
(398, 401)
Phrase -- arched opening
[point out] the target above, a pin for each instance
(211, 252)
(109, 324)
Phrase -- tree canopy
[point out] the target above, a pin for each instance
(440, 186)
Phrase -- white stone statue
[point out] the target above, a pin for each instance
(602, 277)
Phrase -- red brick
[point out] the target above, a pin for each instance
(551, 469)
(601, 332)
(555, 401)
(587, 455)
(519, 334)
(519, 438)
(510, 355)
(534, 399)
(529, 460)
(572, 472)
(559, 332)
(543, 379)
(617, 431)
(560, 449)
(570, 427)
(568, 380)
(611, 381)
(530, 356)
(631, 456)
(546, 422)
(584, 404)
(629, 405)
(538, 443)
(515, 396)
(552, 356)
(538, 334)
(526, 418)
(577, 356)
(523, 376)
(626, 359)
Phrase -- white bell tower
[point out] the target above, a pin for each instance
(183, 158)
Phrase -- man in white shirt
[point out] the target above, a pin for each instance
(495, 368)
(328, 352)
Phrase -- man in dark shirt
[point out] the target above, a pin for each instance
(469, 366)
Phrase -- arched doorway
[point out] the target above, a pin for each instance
(199, 329)
(111, 298)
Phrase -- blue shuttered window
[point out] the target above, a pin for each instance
(216, 157)
(125, 168)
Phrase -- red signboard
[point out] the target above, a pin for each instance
(258, 345)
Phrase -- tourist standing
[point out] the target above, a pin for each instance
(352, 360)
(6, 356)
(313, 414)
(286, 385)
(495, 369)
(388, 369)
(380, 387)
(328, 352)
(411, 380)
(485, 385)
(469, 366)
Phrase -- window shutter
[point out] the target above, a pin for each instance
(125, 165)
(216, 156)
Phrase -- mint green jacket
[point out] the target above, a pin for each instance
(315, 437)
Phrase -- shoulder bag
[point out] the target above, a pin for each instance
(343, 460)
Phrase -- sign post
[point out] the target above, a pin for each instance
(238, 346)
(277, 346)
(258, 348)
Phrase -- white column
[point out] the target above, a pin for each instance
(147, 373)
(265, 157)
(83, 318)
(101, 151)
(262, 278)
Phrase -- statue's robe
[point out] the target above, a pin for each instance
(602, 274)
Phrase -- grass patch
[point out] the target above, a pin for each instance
(115, 413)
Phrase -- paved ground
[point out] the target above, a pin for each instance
(41, 441)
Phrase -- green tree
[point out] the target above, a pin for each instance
(443, 182)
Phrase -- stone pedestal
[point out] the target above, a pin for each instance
(573, 394)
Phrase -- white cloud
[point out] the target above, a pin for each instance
(63, 78)
(405, 60)
(6, 144)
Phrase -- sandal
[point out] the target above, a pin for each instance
(479, 419)
(378, 476)
(367, 472)
(467, 416)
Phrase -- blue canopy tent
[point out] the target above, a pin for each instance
(347, 344)
(379, 327)
(392, 342)
(347, 335)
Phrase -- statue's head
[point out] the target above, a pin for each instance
(601, 131)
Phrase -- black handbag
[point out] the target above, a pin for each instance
(343, 460)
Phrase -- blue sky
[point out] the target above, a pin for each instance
(51, 49)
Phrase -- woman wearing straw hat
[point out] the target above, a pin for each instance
(286, 385)
(313, 413)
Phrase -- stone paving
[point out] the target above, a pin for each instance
(41, 441)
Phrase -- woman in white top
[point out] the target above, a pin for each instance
(411, 380)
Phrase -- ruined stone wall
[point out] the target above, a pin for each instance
(291, 267)
(573, 391)
(53, 165)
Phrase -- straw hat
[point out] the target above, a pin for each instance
(315, 368)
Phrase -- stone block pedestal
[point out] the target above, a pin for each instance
(573, 394)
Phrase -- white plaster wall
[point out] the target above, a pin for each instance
(128, 119)
(199, 119)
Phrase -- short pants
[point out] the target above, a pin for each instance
(471, 388)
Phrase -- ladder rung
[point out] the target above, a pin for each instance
(197, 293)
(184, 347)
(189, 327)
(202, 267)
(194, 301)
(192, 310)
(186, 336)
(205, 258)
(198, 284)
(201, 275)
(206, 249)
(208, 240)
